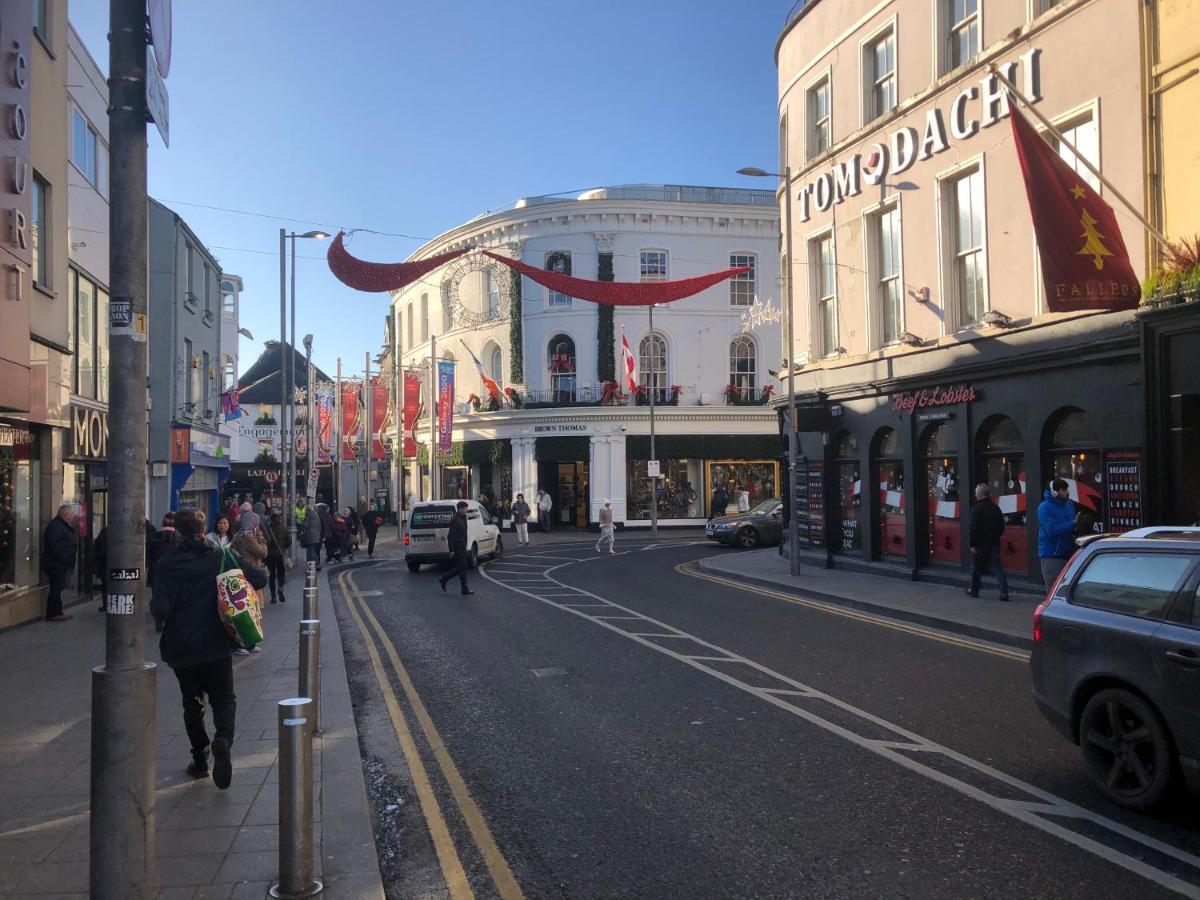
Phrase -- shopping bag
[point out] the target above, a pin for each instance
(238, 603)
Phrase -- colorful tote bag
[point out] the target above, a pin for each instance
(238, 603)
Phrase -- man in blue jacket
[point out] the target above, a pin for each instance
(1056, 530)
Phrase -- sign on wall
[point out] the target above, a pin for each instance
(181, 445)
(1123, 472)
(89, 433)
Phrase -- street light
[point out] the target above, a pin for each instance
(287, 383)
(245, 332)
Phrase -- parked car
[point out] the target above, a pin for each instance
(426, 540)
(1116, 661)
(760, 526)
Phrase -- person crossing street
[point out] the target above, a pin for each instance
(607, 529)
(458, 546)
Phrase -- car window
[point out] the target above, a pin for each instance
(485, 516)
(1136, 584)
(1196, 609)
(766, 507)
(472, 514)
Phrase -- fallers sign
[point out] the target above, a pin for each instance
(938, 395)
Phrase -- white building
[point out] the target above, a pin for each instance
(557, 353)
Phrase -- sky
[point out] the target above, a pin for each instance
(411, 118)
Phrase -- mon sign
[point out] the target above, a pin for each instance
(89, 433)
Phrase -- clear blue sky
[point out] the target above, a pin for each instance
(413, 117)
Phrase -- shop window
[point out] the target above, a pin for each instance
(728, 479)
(679, 490)
(561, 362)
(1002, 462)
(889, 475)
(847, 468)
(20, 518)
(939, 454)
(1073, 454)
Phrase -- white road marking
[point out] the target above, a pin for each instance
(1035, 814)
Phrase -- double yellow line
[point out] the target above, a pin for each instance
(692, 571)
(443, 843)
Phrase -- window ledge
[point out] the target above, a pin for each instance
(48, 291)
(44, 40)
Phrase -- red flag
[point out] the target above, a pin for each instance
(1084, 261)
(628, 363)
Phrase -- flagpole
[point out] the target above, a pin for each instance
(653, 376)
(337, 430)
(369, 422)
(435, 492)
(1058, 136)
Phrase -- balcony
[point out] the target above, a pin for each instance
(748, 396)
(612, 395)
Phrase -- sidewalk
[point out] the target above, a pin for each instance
(210, 843)
(938, 606)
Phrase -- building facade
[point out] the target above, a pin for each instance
(927, 358)
(188, 456)
(571, 429)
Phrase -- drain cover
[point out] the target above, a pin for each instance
(550, 672)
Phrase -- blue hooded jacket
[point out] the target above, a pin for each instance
(1056, 527)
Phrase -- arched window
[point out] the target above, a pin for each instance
(493, 292)
(1002, 463)
(496, 365)
(560, 262)
(849, 481)
(743, 364)
(561, 363)
(939, 454)
(1073, 454)
(652, 366)
(889, 476)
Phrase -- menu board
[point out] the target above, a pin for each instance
(800, 502)
(1123, 473)
(816, 503)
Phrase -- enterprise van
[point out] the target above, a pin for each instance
(426, 539)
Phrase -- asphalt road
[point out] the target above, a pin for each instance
(616, 727)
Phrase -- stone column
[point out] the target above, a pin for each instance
(524, 469)
(607, 474)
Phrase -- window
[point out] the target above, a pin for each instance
(819, 135)
(424, 319)
(190, 255)
(885, 276)
(41, 227)
(652, 366)
(966, 220)
(653, 265)
(743, 366)
(189, 394)
(1074, 456)
(889, 470)
(1134, 584)
(742, 288)
(228, 377)
(783, 143)
(496, 363)
(1002, 466)
(411, 343)
(228, 299)
(85, 337)
(493, 293)
(963, 33)
(207, 290)
(561, 362)
(880, 79)
(41, 19)
(824, 288)
(561, 263)
(83, 146)
(849, 482)
(101, 344)
(204, 380)
(1082, 133)
(939, 453)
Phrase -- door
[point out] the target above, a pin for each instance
(1177, 662)
(571, 506)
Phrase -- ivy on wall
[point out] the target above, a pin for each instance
(704, 446)
(562, 449)
(606, 367)
(452, 457)
(516, 353)
(475, 453)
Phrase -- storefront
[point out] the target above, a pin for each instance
(199, 468)
(20, 514)
(85, 483)
(256, 482)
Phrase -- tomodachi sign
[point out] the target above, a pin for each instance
(976, 106)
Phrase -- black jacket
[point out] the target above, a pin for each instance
(371, 523)
(987, 524)
(59, 544)
(185, 596)
(458, 534)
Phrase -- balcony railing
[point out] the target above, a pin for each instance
(748, 396)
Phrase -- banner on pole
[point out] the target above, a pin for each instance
(445, 369)
(379, 403)
(412, 411)
(350, 420)
(323, 400)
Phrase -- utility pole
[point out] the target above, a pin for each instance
(310, 451)
(289, 499)
(369, 422)
(124, 696)
(793, 431)
(652, 382)
(337, 430)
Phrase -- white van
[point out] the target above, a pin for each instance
(426, 540)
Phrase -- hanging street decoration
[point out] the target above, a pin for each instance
(760, 314)
(619, 293)
(496, 294)
(368, 276)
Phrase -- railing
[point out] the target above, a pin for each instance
(599, 395)
(749, 396)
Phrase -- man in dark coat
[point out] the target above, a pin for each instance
(372, 521)
(987, 526)
(59, 545)
(458, 546)
(720, 500)
(195, 644)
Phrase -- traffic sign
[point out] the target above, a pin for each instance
(159, 13)
(157, 101)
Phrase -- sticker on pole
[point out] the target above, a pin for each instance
(123, 321)
(124, 574)
(119, 605)
(653, 470)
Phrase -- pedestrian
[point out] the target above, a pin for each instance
(986, 528)
(326, 529)
(545, 506)
(458, 547)
(354, 526)
(743, 501)
(1056, 530)
(311, 534)
(248, 520)
(196, 645)
(520, 517)
(220, 537)
(164, 541)
(720, 500)
(233, 510)
(337, 544)
(279, 541)
(607, 529)
(372, 522)
(60, 544)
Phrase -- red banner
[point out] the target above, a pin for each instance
(368, 276)
(1084, 261)
(379, 405)
(412, 411)
(351, 420)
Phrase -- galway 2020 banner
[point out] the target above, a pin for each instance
(445, 370)
(323, 401)
(412, 411)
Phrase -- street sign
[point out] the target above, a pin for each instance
(652, 469)
(159, 14)
(157, 102)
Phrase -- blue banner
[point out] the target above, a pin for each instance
(445, 404)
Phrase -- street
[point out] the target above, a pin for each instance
(630, 726)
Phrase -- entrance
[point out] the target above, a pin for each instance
(567, 483)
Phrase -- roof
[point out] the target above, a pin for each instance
(262, 382)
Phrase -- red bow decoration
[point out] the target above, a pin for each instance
(612, 394)
(368, 276)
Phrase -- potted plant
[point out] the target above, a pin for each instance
(765, 397)
(1178, 280)
(733, 395)
(474, 401)
(640, 395)
(515, 400)
(493, 404)
(676, 390)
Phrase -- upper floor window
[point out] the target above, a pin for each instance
(411, 343)
(966, 219)
(653, 265)
(189, 379)
(962, 34)
(424, 319)
(207, 288)
(1082, 133)
(496, 363)
(40, 229)
(824, 287)
(206, 361)
(228, 377)
(887, 291)
(819, 133)
(88, 152)
(742, 288)
(41, 19)
(87, 341)
(783, 142)
(190, 256)
(560, 262)
(880, 75)
(228, 299)
(743, 357)
(493, 277)
(561, 362)
(652, 365)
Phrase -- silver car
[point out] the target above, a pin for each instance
(1116, 661)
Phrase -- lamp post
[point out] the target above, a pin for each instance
(287, 373)
(310, 452)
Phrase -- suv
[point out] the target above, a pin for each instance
(1116, 661)
(426, 540)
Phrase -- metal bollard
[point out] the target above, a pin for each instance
(296, 848)
(310, 603)
(309, 683)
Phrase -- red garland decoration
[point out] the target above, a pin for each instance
(619, 293)
(368, 276)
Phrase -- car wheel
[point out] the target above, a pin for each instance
(473, 556)
(1126, 748)
(747, 537)
(414, 566)
(499, 551)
